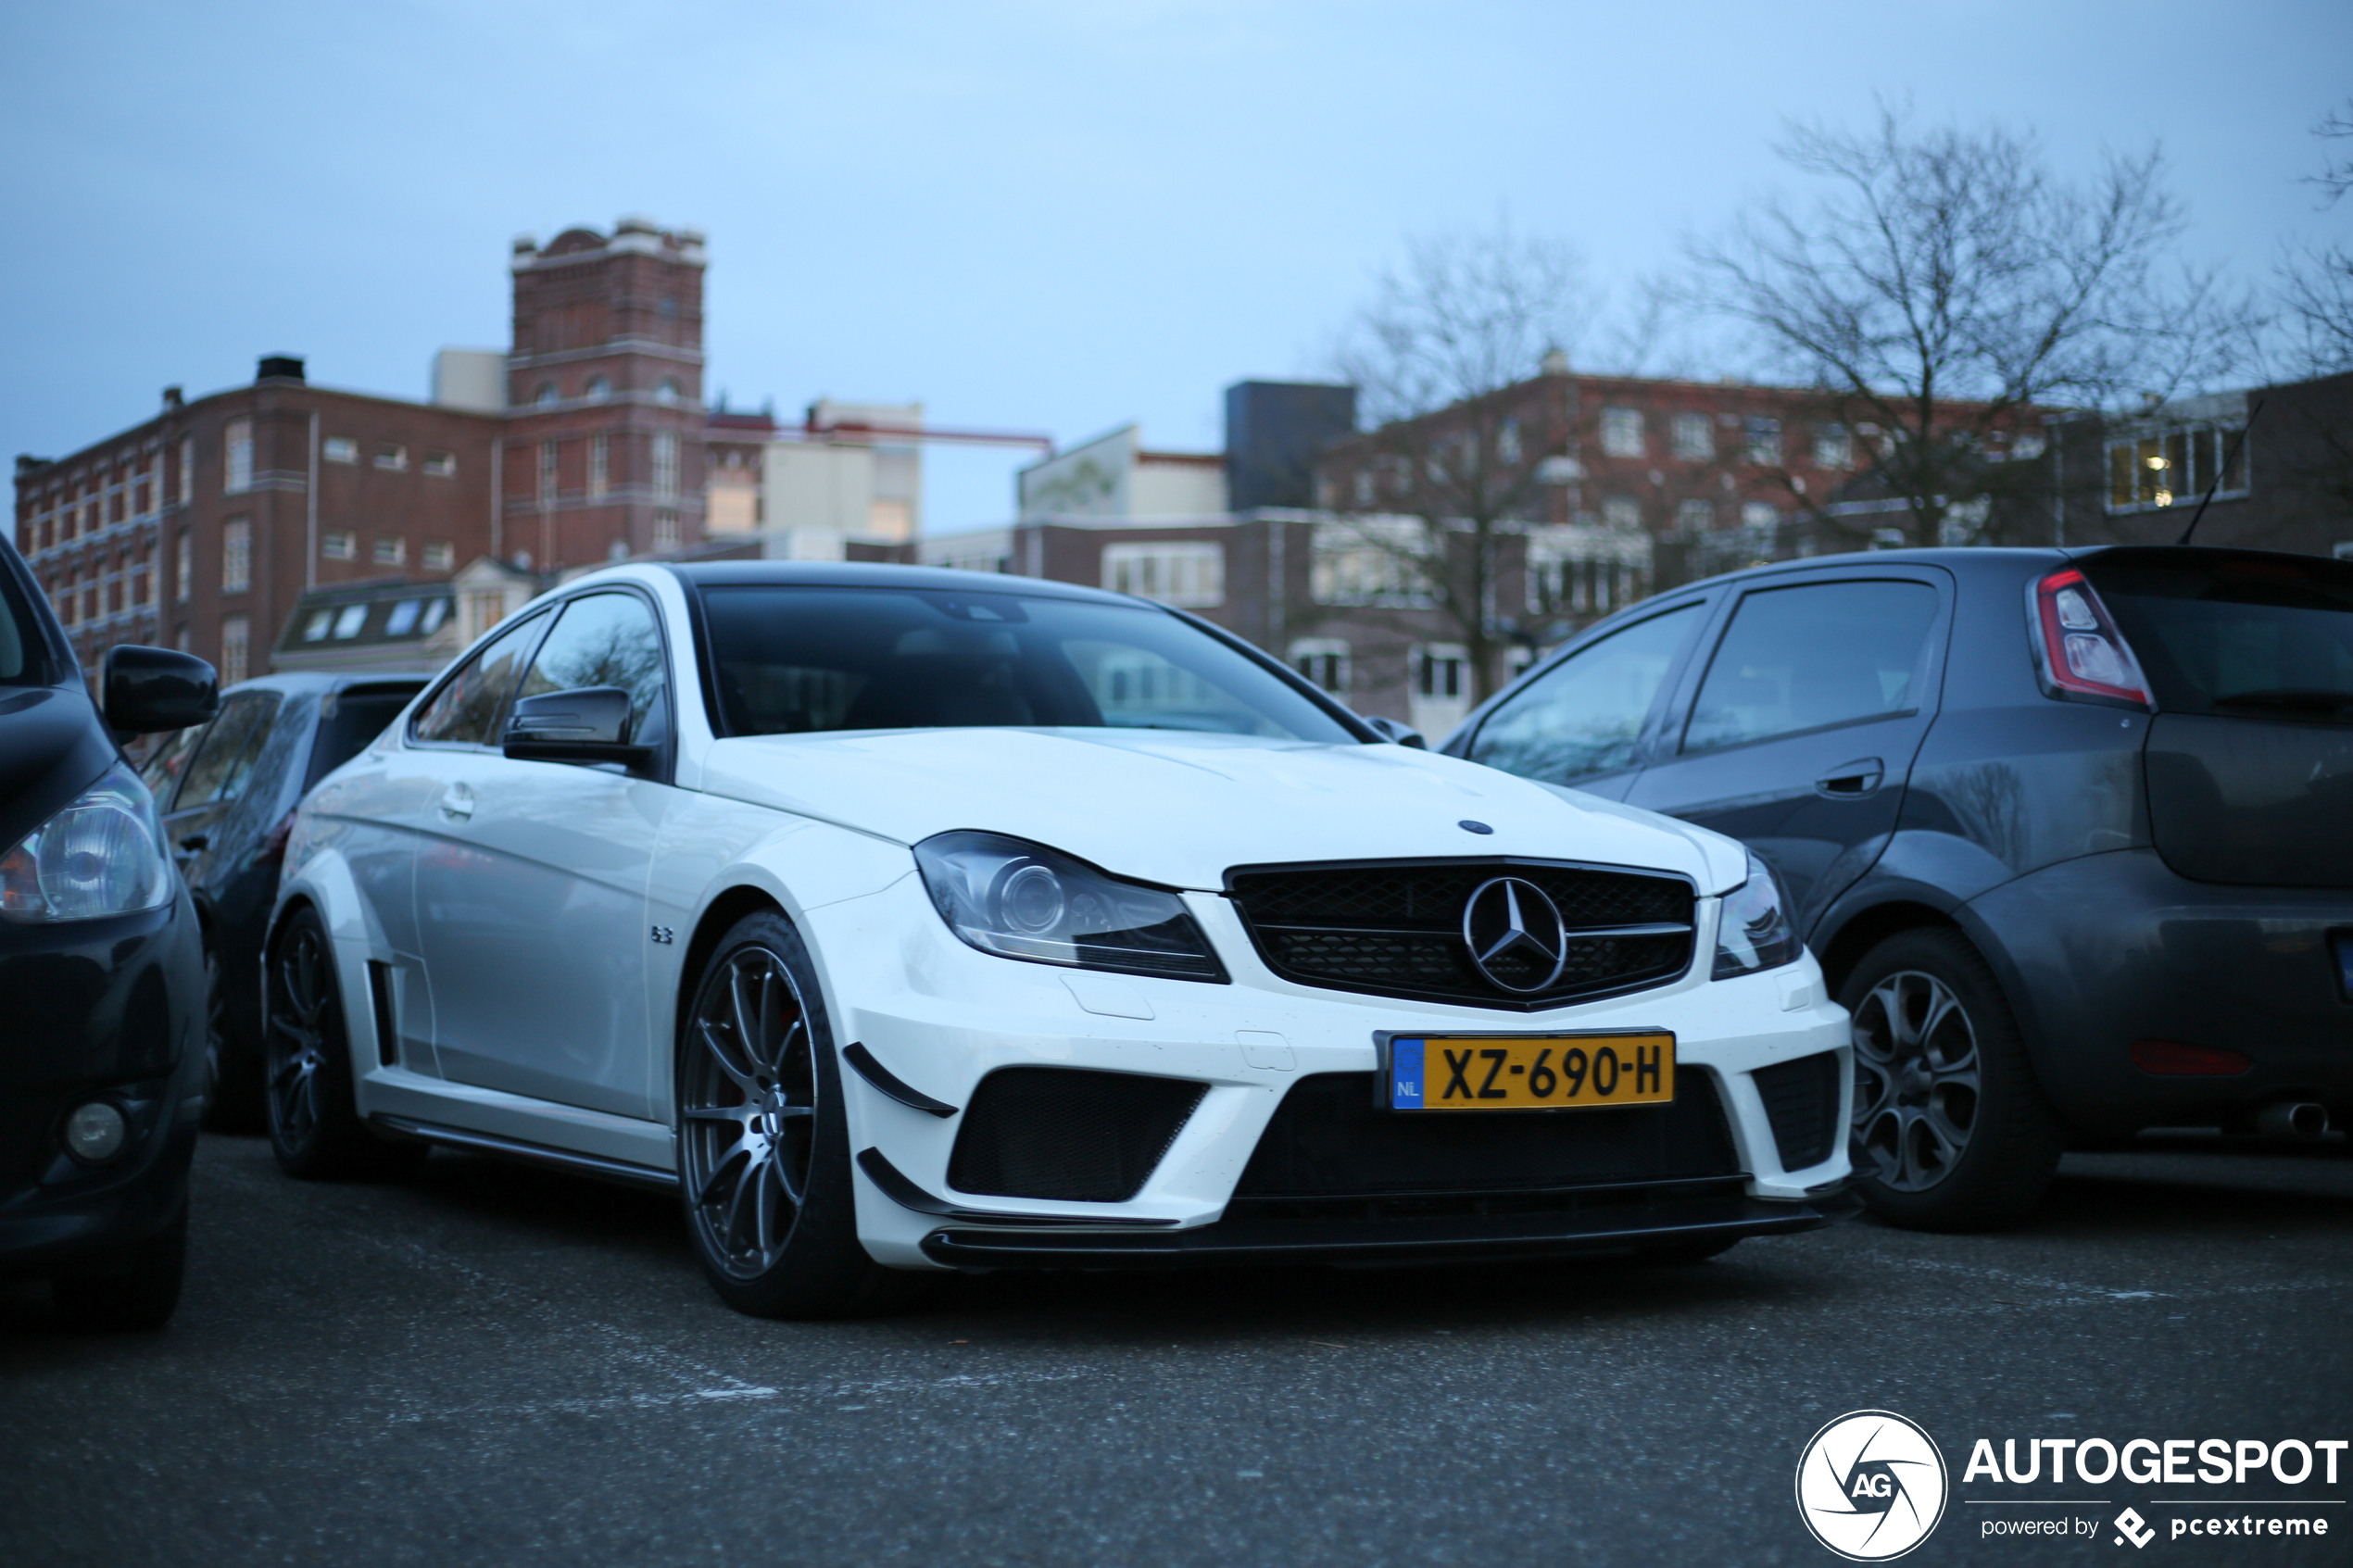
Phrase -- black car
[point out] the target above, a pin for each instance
(228, 791)
(101, 974)
(2070, 831)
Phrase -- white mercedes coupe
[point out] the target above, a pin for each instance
(906, 920)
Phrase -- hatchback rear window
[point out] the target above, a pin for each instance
(2235, 636)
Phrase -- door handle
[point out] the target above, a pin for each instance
(1852, 781)
(458, 802)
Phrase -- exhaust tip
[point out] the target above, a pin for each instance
(2293, 1119)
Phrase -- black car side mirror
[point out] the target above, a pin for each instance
(587, 725)
(1396, 733)
(142, 690)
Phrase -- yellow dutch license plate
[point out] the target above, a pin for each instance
(1515, 1073)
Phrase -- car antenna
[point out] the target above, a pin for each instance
(2237, 442)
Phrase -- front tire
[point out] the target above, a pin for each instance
(763, 1145)
(1951, 1132)
(232, 1075)
(315, 1128)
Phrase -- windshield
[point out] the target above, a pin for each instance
(2248, 636)
(21, 663)
(796, 659)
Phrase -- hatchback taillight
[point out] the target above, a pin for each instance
(2078, 646)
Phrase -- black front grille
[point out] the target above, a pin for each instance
(1395, 928)
(1331, 1137)
(1063, 1133)
(1801, 1101)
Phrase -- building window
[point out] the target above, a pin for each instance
(182, 569)
(440, 554)
(599, 464)
(1437, 673)
(391, 455)
(545, 395)
(236, 556)
(1694, 437)
(1323, 661)
(236, 649)
(338, 544)
(1623, 513)
(340, 449)
(665, 531)
(546, 473)
(442, 465)
(1834, 448)
(1621, 433)
(390, 552)
(1190, 576)
(1764, 440)
(1507, 443)
(667, 392)
(2164, 471)
(1367, 563)
(598, 389)
(665, 464)
(236, 447)
(187, 469)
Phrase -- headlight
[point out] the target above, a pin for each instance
(100, 855)
(1023, 900)
(1752, 933)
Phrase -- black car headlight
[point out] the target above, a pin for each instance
(1022, 900)
(1752, 932)
(102, 855)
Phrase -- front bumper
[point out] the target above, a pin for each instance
(108, 1008)
(939, 1017)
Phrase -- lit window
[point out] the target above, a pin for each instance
(237, 447)
(1694, 437)
(236, 556)
(390, 552)
(340, 449)
(440, 554)
(441, 465)
(236, 649)
(390, 454)
(1622, 432)
(1834, 448)
(338, 544)
(1764, 440)
(2174, 468)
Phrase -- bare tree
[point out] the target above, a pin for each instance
(2316, 282)
(1946, 289)
(1442, 357)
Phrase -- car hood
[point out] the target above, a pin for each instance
(1178, 809)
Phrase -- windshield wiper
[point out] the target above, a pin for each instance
(2290, 699)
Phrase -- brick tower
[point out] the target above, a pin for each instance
(602, 453)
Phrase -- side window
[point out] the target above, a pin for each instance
(1584, 716)
(607, 640)
(462, 711)
(1810, 656)
(162, 770)
(224, 762)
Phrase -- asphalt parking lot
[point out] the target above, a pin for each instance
(492, 1365)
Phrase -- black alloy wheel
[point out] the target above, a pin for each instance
(764, 1146)
(314, 1122)
(1950, 1131)
(231, 1078)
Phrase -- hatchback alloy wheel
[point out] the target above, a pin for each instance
(748, 1115)
(315, 1128)
(298, 1032)
(1916, 1088)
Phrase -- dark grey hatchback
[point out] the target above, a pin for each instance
(2071, 832)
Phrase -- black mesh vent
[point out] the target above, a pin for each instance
(1060, 1131)
(1331, 1137)
(1801, 1101)
(1395, 928)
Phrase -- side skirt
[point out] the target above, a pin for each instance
(530, 1153)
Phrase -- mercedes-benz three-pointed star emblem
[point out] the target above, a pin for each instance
(1516, 934)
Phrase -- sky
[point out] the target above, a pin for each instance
(1043, 215)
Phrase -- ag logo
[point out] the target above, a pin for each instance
(1870, 1486)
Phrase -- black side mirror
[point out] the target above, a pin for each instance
(1396, 733)
(144, 690)
(587, 725)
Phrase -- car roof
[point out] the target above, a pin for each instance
(885, 575)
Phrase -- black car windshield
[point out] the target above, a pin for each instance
(2238, 636)
(791, 659)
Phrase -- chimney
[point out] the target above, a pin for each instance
(1554, 363)
(280, 367)
(171, 398)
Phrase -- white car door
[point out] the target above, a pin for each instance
(531, 890)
